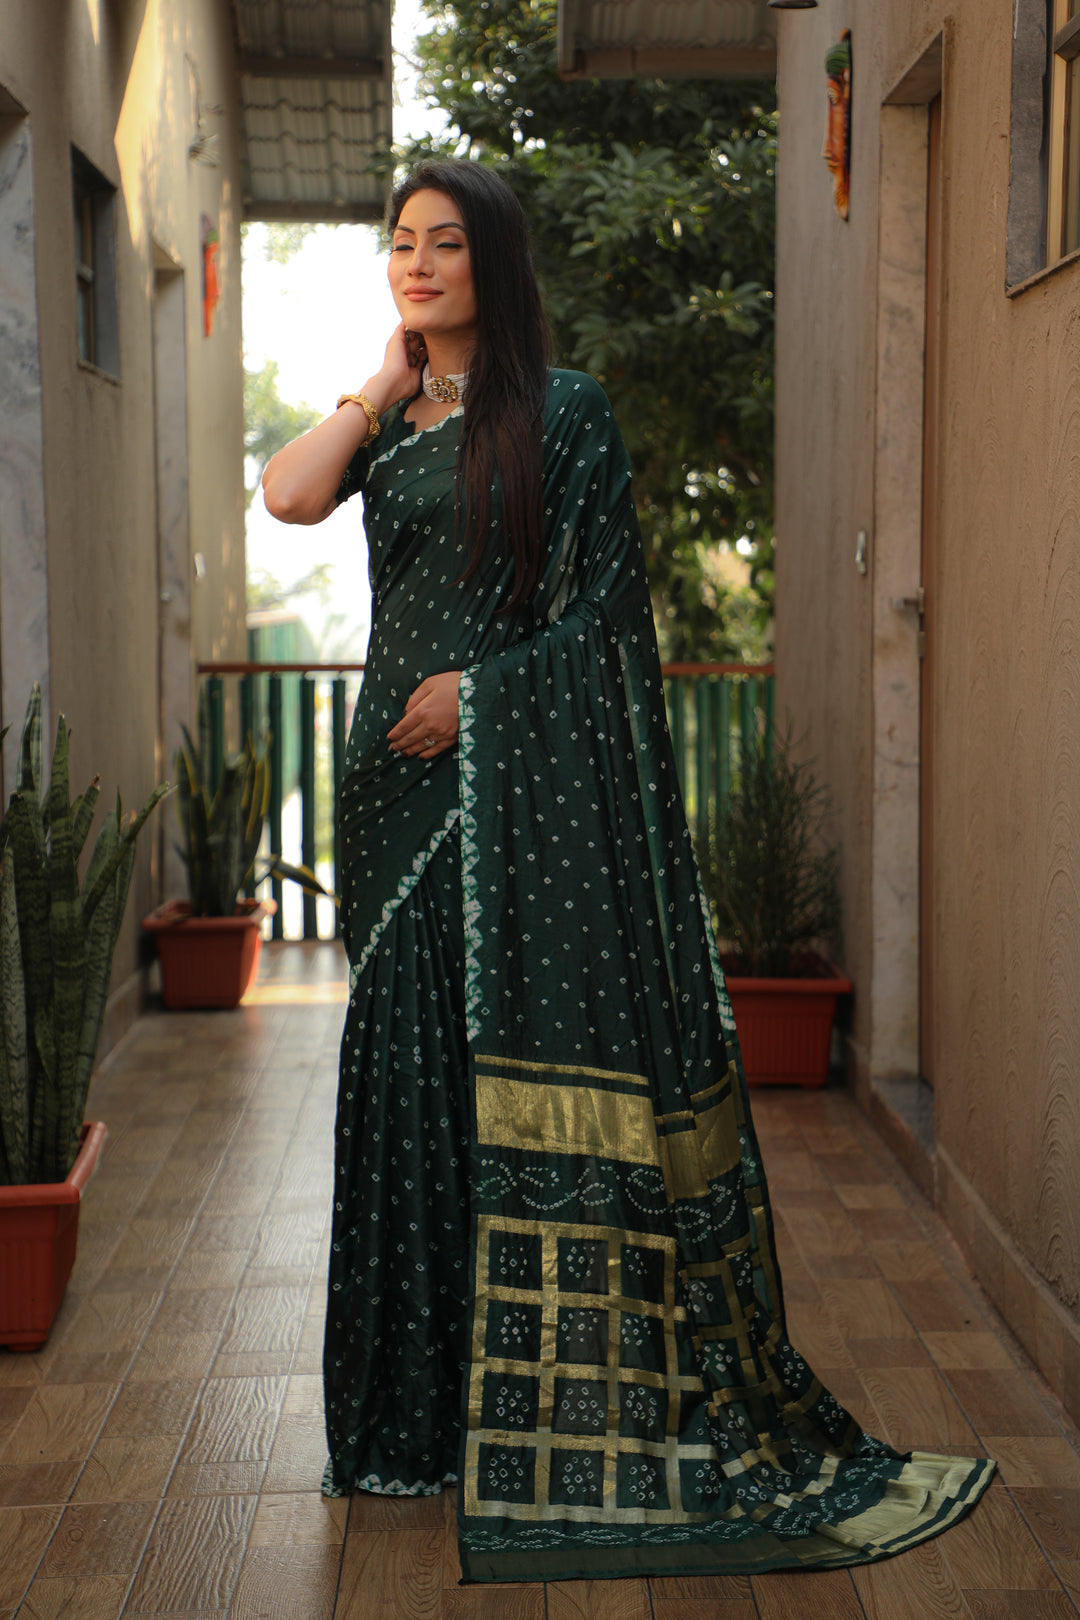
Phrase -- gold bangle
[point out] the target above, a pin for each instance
(369, 410)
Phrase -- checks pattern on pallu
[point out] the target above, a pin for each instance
(630, 1400)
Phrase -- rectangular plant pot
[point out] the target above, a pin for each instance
(39, 1229)
(207, 961)
(785, 1025)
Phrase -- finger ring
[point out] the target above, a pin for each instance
(429, 742)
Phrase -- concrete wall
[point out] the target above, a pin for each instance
(113, 80)
(1005, 617)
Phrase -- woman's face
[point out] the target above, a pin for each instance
(430, 271)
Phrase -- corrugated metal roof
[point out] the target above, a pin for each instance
(699, 38)
(316, 92)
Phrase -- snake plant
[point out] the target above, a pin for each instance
(221, 831)
(57, 937)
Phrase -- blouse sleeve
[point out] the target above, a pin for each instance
(354, 477)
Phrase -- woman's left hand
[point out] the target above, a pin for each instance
(430, 725)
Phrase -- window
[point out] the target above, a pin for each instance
(1063, 204)
(94, 200)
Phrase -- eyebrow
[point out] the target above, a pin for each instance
(447, 224)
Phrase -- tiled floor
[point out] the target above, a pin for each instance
(161, 1456)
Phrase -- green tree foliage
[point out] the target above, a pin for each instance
(269, 422)
(652, 210)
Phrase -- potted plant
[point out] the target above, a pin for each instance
(772, 883)
(57, 938)
(209, 944)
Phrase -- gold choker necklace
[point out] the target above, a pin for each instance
(445, 390)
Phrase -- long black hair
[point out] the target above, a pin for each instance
(504, 402)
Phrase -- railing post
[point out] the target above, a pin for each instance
(746, 716)
(723, 743)
(338, 776)
(703, 688)
(215, 698)
(307, 796)
(677, 725)
(247, 729)
(277, 769)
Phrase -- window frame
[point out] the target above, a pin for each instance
(97, 337)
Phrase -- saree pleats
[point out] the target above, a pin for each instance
(399, 1264)
(611, 1305)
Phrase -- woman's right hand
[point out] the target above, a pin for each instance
(402, 364)
(300, 483)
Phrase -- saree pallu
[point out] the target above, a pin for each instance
(630, 1401)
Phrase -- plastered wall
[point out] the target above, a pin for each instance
(1006, 691)
(114, 80)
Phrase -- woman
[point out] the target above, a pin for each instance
(553, 1273)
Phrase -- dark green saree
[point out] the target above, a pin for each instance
(553, 1271)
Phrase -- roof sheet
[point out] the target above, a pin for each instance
(316, 95)
(617, 38)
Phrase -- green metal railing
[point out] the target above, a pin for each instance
(307, 708)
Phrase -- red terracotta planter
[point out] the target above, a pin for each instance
(39, 1228)
(785, 1025)
(207, 961)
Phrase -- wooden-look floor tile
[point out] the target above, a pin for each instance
(126, 1470)
(13, 1403)
(887, 1223)
(60, 1423)
(303, 1396)
(911, 1262)
(175, 1355)
(24, 1536)
(29, 1484)
(1054, 1518)
(866, 1308)
(503, 1602)
(235, 1421)
(992, 1549)
(789, 1172)
(1024, 1460)
(96, 1538)
(194, 1556)
(824, 1594)
(818, 1339)
(996, 1400)
(598, 1600)
(937, 1308)
(298, 1517)
(262, 1331)
(286, 1581)
(156, 1240)
(918, 1408)
(91, 1597)
(1068, 1573)
(194, 1310)
(974, 1350)
(852, 1394)
(717, 1588)
(871, 1195)
(889, 1352)
(388, 1576)
(704, 1609)
(1019, 1606)
(201, 1268)
(915, 1585)
(369, 1514)
(149, 1409)
(298, 1460)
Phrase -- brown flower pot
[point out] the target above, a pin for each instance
(207, 961)
(785, 1025)
(39, 1228)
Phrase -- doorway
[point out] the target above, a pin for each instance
(175, 671)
